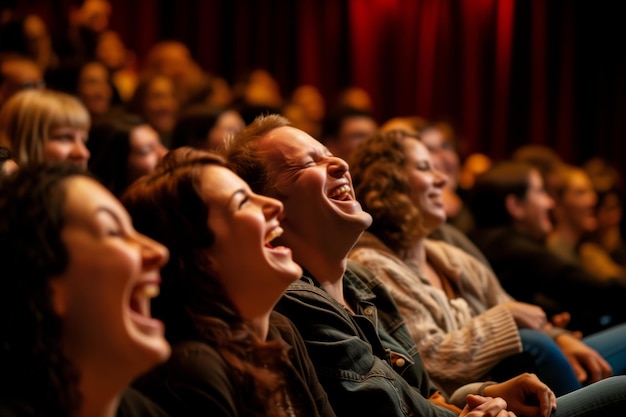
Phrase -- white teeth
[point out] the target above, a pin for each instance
(273, 234)
(147, 291)
(344, 189)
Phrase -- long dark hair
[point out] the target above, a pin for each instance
(33, 367)
(166, 205)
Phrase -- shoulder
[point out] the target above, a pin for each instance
(448, 254)
(191, 363)
(196, 377)
(135, 404)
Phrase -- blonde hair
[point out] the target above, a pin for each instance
(27, 118)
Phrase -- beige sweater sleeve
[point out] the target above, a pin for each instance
(456, 346)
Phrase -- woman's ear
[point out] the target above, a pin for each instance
(515, 207)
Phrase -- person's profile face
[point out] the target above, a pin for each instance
(425, 183)
(536, 207)
(103, 296)
(245, 223)
(315, 187)
(577, 203)
(444, 156)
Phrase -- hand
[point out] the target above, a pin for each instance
(562, 320)
(478, 406)
(588, 365)
(525, 395)
(527, 316)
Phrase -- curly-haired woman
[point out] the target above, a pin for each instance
(466, 326)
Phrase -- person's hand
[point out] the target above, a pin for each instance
(527, 316)
(562, 320)
(587, 363)
(525, 395)
(479, 406)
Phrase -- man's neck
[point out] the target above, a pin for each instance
(328, 273)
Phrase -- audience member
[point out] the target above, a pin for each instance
(155, 100)
(466, 326)
(338, 306)
(354, 97)
(543, 158)
(91, 83)
(112, 52)
(205, 126)
(232, 356)
(28, 36)
(45, 126)
(123, 148)
(306, 109)
(609, 187)
(174, 60)
(77, 281)
(85, 20)
(447, 232)
(256, 93)
(18, 73)
(440, 139)
(511, 209)
(574, 218)
(345, 128)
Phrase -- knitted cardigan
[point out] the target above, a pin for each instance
(459, 339)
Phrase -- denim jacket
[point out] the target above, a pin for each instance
(365, 370)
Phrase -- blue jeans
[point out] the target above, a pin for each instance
(611, 344)
(603, 398)
(543, 357)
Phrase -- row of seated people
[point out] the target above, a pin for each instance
(231, 319)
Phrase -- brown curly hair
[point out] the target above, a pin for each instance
(381, 186)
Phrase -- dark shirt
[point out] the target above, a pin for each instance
(531, 273)
(365, 370)
(197, 381)
(132, 404)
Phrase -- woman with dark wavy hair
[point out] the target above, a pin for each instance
(75, 327)
(466, 326)
(232, 355)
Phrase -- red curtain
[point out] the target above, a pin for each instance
(504, 72)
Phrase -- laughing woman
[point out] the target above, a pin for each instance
(465, 325)
(231, 355)
(76, 281)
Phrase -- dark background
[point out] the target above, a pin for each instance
(504, 72)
